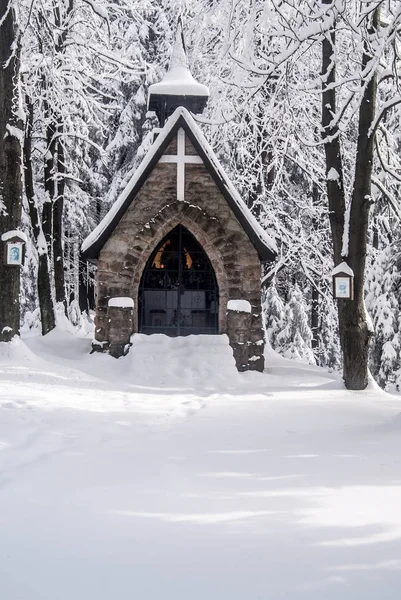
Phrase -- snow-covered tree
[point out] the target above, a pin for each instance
(10, 163)
(336, 108)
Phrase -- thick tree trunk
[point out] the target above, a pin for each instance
(356, 330)
(335, 184)
(355, 333)
(10, 169)
(47, 211)
(46, 304)
(58, 207)
(56, 189)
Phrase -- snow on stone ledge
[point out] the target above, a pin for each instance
(343, 268)
(121, 302)
(9, 235)
(239, 306)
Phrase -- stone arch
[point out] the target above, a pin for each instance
(207, 231)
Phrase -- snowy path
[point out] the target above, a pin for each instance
(283, 487)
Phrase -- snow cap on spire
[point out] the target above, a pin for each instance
(178, 87)
(178, 58)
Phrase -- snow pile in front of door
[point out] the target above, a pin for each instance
(193, 362)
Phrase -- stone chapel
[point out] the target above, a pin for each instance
(179, 252)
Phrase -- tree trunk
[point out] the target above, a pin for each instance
(46, 305)
(335, 186)
(315, 324)
(356, 333)
(58, 207)
(10, 168)
(47, 211)
(315, 300)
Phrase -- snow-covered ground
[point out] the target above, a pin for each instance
(167, 475)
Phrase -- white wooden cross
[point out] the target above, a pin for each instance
(181, 159)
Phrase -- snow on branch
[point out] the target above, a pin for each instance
(393, 203)
(384, 109)
(385, 166)
(98, 9)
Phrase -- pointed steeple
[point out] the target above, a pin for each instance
(178, 87)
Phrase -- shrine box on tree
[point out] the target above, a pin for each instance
(343, 282)
(14, 243)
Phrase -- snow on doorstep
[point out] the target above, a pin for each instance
(239, 306)
(9, 235)
(187, 362)
(121, 302)
(343, 268)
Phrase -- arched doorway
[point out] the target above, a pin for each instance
(178, 293)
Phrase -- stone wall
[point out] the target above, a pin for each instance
(205, 213)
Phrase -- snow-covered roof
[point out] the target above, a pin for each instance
(263, 243)
(178, 80)
(343, 268)
(15, 233)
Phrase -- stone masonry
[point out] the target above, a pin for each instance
(152, 214)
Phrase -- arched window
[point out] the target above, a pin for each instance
(178, 294)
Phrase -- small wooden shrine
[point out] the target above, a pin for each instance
(179, 252)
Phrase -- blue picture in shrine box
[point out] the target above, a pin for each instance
(343, 287)
(14, 253)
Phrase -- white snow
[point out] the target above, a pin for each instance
(180, 112)
(239, 306)
(121, 302)
(41, 243)
(333, 175)
(98, 9)
(167, 475)
(15, 132)
(345, 244)
(9, 235)
(178, 81)
(343, 268)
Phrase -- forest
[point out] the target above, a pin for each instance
(304, 114)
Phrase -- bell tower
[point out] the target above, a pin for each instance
(178, 87)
